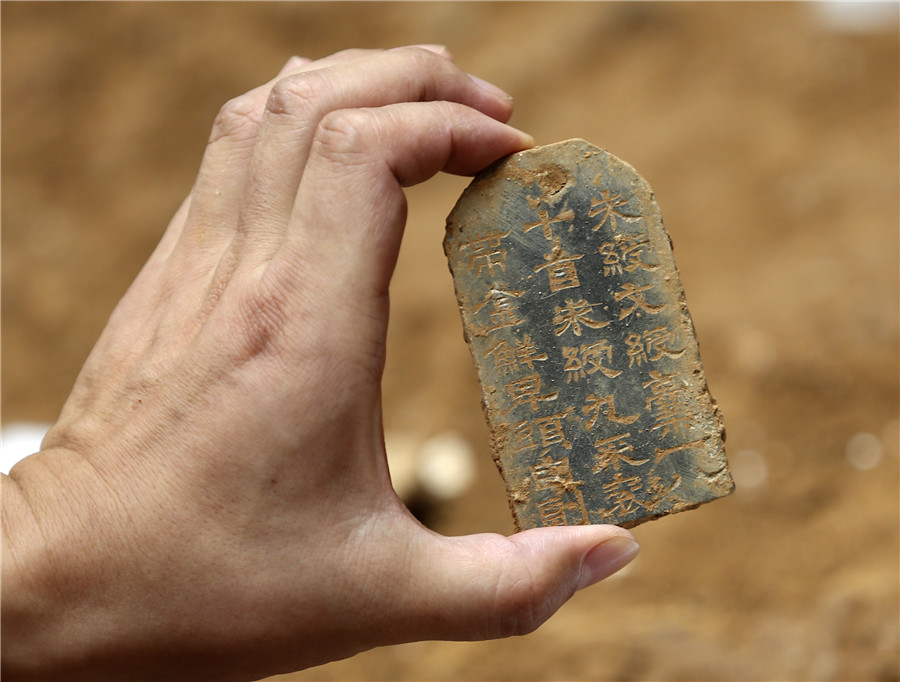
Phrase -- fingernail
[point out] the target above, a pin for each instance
(490, 87)
(437, 49)
(293, 63)
(527, 140)
(605, 559)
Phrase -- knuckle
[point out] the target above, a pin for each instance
(343, 133)
(76, 434)
(520, 607)
(430, 70)
(260, 324)
(297, 94)
(239, 118)
(351, 53)
(419, 57)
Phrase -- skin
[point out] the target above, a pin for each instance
(214, 501)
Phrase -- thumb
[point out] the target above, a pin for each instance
(489, 586)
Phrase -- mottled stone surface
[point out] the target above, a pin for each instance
(576, 318)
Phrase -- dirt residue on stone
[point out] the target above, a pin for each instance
(551, 179)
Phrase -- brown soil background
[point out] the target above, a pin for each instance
(771, 141)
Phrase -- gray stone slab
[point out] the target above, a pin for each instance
(589, 368)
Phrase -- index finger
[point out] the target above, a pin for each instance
(299, 102)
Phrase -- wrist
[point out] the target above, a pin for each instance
(51, 587)
(28, 600)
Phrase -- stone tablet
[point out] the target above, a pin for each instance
(585, 351)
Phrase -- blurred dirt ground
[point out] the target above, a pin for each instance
(770, 135)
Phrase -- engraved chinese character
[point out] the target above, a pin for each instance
(516, 438)
(596, 406)
(612, 261)
(574, 367)
(624, 254)
(635, 295)
(593, 355)
(526, 352)
(632, 249)
(552, 512)
(554, 474)
(573, 315)
(657, 490)
(662, 453)
(607, 207)
(522, 438)
(507, 357)
(637, 355)
(612, 451)
(486, 252)
(560, 268)
(652, 345)
(502, 313)
(621, 490)
(659, 342)
(504, 357)
(667, 404)
(587, 359)
(551, 430)
(527, 391)
(545, 222)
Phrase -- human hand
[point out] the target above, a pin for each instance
(214, 501)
